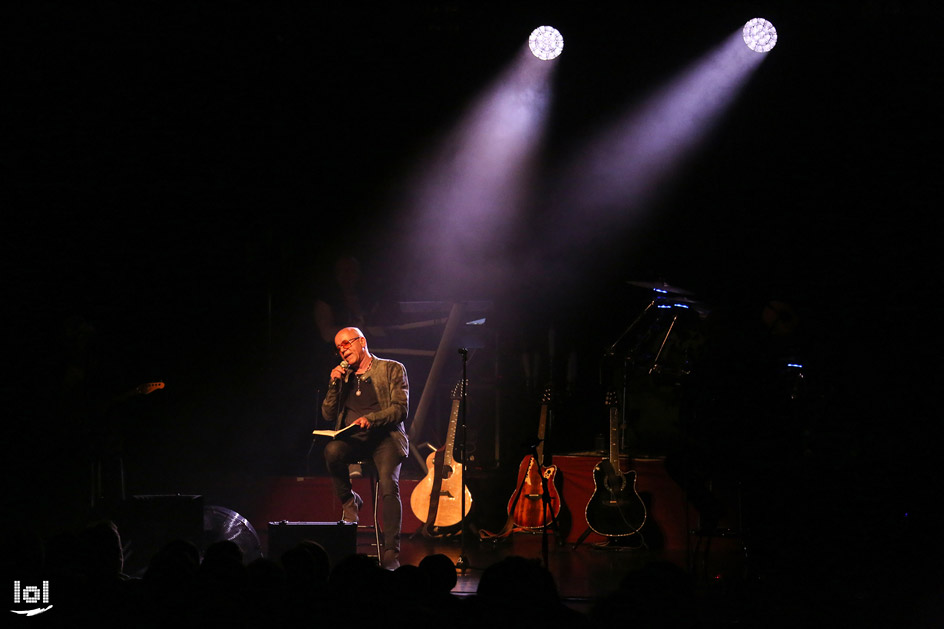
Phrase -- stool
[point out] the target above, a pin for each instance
(367, 468)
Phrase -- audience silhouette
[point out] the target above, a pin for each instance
(185, 586)
(519, 590)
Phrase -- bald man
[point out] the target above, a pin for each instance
(374, 394)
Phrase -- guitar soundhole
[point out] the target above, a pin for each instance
(615, 484)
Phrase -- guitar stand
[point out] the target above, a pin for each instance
(437, 532)
(582, 537)
(618, 544)
(612, 543)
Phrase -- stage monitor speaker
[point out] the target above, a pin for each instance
(339, 539)
(148, 523)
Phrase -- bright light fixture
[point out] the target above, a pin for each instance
(546, 42)
(760, 35)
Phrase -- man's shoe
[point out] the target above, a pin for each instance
(354, 470)
(391, 560)
(350, 508)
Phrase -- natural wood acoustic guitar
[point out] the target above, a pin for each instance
(437, 499)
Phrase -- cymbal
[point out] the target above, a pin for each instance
(674, 301)
(662, 287)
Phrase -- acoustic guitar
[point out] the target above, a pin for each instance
(437, 499)
(614, 509)
(530, 507)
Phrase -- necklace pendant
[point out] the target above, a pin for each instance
(357, 393)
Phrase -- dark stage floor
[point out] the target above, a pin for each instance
(583, 573)
(820, 575)
(728, 588)
(604, 582)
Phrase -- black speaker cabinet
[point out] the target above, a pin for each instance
(147, 523)
(338, 539)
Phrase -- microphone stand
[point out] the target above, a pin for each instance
(547, 507)
(463, 562)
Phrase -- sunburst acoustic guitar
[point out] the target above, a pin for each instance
(536, 502)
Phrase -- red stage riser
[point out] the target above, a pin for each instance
(312, 499)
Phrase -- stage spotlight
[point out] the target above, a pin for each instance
(760, 35)
(546, 42)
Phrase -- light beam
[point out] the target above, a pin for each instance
(467, 198)
(626, 165)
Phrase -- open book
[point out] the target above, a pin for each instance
(332, 433)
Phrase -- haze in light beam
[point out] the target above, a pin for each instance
(622, 170)
(466, 199)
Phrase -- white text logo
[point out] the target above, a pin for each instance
(31, 595)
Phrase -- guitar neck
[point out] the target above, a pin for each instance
(448, 459)
(542, 426)
(614, 438)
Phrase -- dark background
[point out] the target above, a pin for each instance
(178, 177)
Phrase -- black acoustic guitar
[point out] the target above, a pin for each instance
(614, 509)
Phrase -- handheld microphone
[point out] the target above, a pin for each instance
(344, 366)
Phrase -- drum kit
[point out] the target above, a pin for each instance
(664, 338)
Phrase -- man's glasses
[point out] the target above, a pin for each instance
(347, 343)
